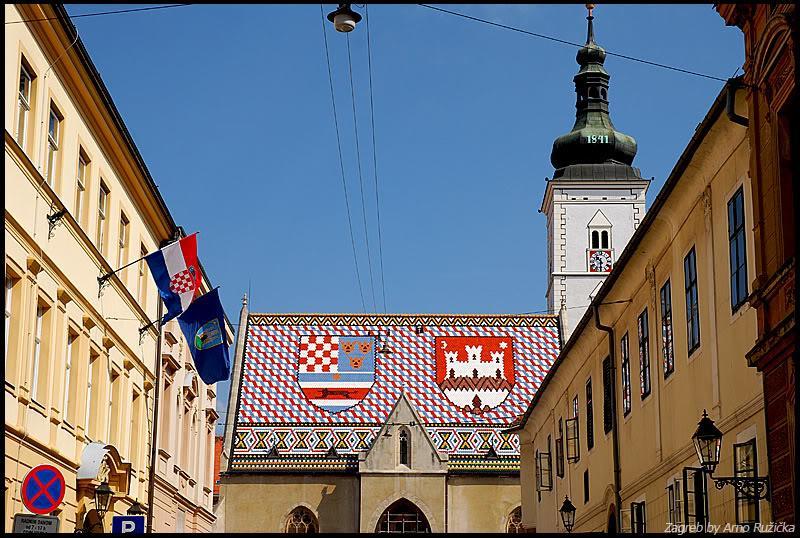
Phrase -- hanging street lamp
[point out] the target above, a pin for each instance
(136, 509)
(102, 499)
(343, 18)
(708, 442)
(567, 511)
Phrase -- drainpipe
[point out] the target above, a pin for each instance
(614, 431)
(734, 84)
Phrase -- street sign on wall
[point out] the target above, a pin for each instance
(28, 524)
(127, 525)
(43, 489)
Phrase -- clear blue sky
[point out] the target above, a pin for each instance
(230, 107)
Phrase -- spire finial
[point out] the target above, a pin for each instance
(590, 17)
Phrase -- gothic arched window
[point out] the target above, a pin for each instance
(595, 239)
(604, 239)
(302, 521)
(514, 524)
(405, 447)
(402, 517)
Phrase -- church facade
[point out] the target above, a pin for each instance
(376, 423)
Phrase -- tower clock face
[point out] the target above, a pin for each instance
(600, 261)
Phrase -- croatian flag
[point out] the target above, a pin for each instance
(177, 274)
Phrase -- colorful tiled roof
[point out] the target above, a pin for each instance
(279, 428)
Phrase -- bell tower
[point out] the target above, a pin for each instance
(596, 199)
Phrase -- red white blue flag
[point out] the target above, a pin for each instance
(177, 274)
(336, 372)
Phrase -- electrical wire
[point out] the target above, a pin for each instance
(579, 45)
(341, 160)
(102, 13)
(374, 157)
(360, 175)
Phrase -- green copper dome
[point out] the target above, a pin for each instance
(593, 139)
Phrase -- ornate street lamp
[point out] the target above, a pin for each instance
(707, 442)
(567, 511)
(344, 19)
(102, 498)
(136, 509)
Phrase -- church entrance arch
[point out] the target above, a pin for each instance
(402, 517)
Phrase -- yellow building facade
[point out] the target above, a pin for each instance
(79, 380)
(663, 340)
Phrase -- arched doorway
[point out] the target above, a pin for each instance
(612, 520)
(403, 516)
(302, 521)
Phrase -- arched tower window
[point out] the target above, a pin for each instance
(514, 524)
(405, 448)
(302, 521)
(596, 239)
(604, 239)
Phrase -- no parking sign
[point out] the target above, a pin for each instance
(43, 489)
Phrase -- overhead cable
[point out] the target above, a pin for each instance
(102, 13)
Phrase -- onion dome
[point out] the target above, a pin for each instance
(593, 149)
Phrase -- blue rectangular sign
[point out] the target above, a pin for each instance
(127, 525)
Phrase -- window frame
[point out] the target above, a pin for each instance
(24, 105)
(53, 142)
(81, 177)
(608, 395)
(667, 332)
(638, 518)
(544, 471)
(122, 240)
(698, 481)
(404, 447)
(40, 351)
(573, 439)
(589, 415)
(103, 206)
(740, 499)
(643, 332)
(674, 503)
(626, 375)
(69, 356)
(560, 449)
(692, 301)
(737, 244)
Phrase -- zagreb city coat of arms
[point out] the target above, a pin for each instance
(475, 372)
(336, 372)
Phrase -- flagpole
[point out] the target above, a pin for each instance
(102, 278)
(153, 442)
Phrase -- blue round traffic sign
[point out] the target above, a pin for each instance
(43, 489)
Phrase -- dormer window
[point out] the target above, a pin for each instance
(405, 448)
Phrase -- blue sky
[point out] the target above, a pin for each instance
(230, 107)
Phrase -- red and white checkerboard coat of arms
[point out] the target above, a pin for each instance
(336, 372)
(475, 372)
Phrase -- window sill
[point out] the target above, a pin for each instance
(694, 352)
(39, 408)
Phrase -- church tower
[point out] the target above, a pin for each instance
(596, 199)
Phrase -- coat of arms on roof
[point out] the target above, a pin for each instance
(475, 372)
(336, 372)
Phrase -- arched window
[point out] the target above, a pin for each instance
(603, 93)
(403, 516)
(514, 524)
(302, 521)
(405, 448)
(595, 239)
(604, 239)
(593, 92)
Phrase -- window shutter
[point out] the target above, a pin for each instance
(608, 401)
(573, 454)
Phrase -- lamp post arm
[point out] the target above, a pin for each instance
(753, 487)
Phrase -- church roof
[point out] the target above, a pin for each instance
(317, 389)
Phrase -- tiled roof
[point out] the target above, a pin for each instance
(278, 428)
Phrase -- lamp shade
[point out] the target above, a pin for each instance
(707, 442)
(136, 509)
(343, 18)
(567, 511)
(102, 498)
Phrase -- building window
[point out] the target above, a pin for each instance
(692, 312)
(560, 449)
(53, 139)
(544, 472)
(403, 517)
(738, 253)
(608, 395)
(586, 486)
(72, 343)
(405, 448)
(667, 351)
(595, 239)
(604, 242)
(514, 525)
(135, 429)
(94, 365)
(626, 376)
(638, 518)
(573, 453)
(301, 521)
(589, 416)
(643, 331)
(9, 304)
(80, 185)
(23, 103)
(39, 388)
(674, 509)
(141, 287)
(745, 464)
(122, 255)
(695, 497)
(102, 212)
